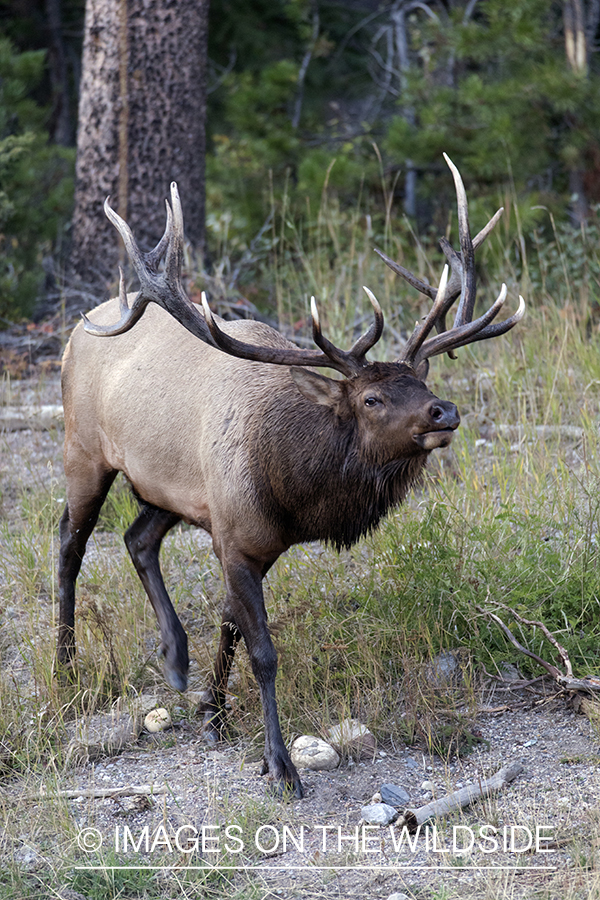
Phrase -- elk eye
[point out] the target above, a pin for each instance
(371, 401)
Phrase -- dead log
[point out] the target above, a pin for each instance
(414, 818)
(36, 418)
(128, 790)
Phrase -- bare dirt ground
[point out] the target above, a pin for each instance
(312, 848)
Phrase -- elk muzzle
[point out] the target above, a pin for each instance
(444, 419)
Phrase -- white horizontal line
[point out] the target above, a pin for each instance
(310, 868)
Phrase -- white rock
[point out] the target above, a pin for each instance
(353, 738)
(378, 814)
(157, 720)
(398, 897)
(428, 786)
(309, 752)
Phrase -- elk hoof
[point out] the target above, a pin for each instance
(175, 665)
(175, 678)
(284, 781)
(65, 671)
(213, 728)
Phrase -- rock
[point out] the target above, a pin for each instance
(67, 893)
(107, 734)
(378, 814)
(444, 669)
(394, 795)
(309, 752)
(398, 897)
(351, 738)
(196, 699)
(428, 786)
(157, 720)
(509, 672)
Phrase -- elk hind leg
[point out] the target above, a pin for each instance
(143, 540)
(85, 496)
(214, 708)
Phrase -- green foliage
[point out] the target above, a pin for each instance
(258, 156)
(497, 94)
(35, 183)
(490, 84)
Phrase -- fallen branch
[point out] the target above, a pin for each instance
(588, 684)
(414, 818)
(37, 418)
(129, 790)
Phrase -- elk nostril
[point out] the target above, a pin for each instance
(436, 413)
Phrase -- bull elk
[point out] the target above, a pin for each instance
(235, 434)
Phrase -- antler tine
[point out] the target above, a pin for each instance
(421, 286)
(422, 329)
(352, 360)
(153, 257)
(368, 340)
(174, 259)
(455, 282)
(133, 251)
(471, 332)
(464, 313)
(330, 350)
(129, 315)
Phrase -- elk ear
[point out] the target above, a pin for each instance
(422, 370)
(317, 388)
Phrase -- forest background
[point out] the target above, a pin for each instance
(305, 97)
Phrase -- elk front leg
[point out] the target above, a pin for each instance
(245, 604)
(143, 540)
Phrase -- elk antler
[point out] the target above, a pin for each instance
(166, 290)
(462, 281)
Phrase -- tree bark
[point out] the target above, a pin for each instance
(142, 118)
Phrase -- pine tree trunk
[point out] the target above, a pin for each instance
(141, 125)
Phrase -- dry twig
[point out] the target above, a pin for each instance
(414, 818)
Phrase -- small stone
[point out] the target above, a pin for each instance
(378, 814)
(197, 700)
(509, 672)
(398, 897)
(105, 734)
(157, 720)
(444, 669)
(309, 752)
(428, 786)
(394, 795)
(376, 798)
(353, 739)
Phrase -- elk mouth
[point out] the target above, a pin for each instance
(432, 440)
